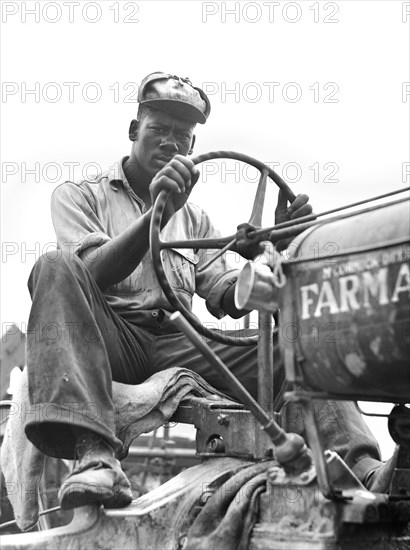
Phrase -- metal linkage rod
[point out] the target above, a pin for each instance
(217, 255)
(294, 226)
(313, 217)
(274, 431)
(278, 234)
(290, 449)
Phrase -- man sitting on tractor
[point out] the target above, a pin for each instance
(101, 290)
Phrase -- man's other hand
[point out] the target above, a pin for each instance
(299, 207)
(284, 212)
(179, 177)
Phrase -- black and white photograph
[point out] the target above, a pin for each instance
(205, 275)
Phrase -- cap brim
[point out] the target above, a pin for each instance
(177, 108)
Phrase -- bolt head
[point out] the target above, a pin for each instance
(223, 419)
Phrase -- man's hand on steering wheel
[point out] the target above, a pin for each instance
(299, 207)
(283, 213)
(179, 177)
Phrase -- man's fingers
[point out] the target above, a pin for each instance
(195, 176)
(184, 167)
(304, 210)
(187, 162)
(300, 207)
(169, 184)
(175, 174)
(300, 201)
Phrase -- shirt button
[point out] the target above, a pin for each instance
(155, 313)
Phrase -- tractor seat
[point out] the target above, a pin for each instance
(224, 428)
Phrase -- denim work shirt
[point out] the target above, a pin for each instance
(92, 212)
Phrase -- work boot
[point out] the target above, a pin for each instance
(98, 477)
(379, 479)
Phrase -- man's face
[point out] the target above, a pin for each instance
(158, 138)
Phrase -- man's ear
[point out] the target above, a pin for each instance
(191, 149)
(133, 131)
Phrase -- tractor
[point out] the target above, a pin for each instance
(342, 314)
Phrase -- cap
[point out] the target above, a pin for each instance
(174, 95)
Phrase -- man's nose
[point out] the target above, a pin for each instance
(169, 142)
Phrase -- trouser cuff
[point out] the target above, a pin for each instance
(50, 429)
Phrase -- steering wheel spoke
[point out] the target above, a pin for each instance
(198, 243)
(257, 210)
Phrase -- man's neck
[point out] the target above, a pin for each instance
(138, 180)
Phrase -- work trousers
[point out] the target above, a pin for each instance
(77, 345)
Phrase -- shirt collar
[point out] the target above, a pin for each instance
(116, 175)
(117, 178)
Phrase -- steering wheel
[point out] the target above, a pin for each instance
(156, 244)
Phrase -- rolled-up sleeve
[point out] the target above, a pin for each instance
(214, 281)
(75, 220)
(215, 295)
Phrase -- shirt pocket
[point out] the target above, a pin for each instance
(180, 267)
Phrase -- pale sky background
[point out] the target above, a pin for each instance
(303, 84)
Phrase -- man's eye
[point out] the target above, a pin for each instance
(157, 130)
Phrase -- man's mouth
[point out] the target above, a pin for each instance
(164, 158)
